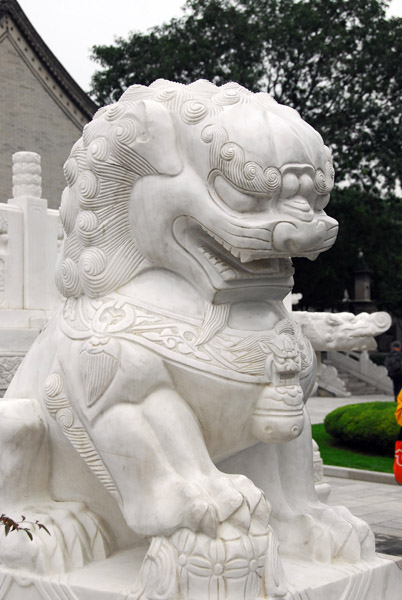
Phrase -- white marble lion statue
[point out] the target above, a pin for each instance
(166, 398)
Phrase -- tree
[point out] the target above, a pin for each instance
(335, 61)
(367, 225)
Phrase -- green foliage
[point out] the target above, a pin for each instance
(368, 427)
(335, 61)
(333, 452)
(366, 223)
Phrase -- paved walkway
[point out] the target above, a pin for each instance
(380, 504)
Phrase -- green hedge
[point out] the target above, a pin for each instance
(370, 427)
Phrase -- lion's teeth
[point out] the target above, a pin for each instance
(246, 256)
(229, 274)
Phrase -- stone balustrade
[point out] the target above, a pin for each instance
(30, 236)
(360, 365)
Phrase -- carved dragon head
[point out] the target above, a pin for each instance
(218, 184)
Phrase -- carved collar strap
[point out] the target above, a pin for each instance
(281, 355)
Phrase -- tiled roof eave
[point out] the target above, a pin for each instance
(66, 82)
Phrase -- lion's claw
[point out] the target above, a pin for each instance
(325, 533)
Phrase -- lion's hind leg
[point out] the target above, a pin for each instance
(72, 534)
(24, 463)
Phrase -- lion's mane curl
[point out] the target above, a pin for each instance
(99, 252)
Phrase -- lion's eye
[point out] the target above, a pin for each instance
(234, 198)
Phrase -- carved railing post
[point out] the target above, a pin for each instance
(11, 257)
(39, 231)
(27, 190)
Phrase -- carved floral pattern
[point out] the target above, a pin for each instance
(226, 567)
(214, 563)
(240, 563)
(8, 368)
(266, 355)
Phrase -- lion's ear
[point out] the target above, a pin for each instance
(156, 139)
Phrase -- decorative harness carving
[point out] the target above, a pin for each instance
(259, 357)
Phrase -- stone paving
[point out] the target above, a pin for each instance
(380, 504)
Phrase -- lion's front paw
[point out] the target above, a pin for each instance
(74, 536)
(360, 543)
(325, 533)
(201, 505)
(175, 503)
(238, 499)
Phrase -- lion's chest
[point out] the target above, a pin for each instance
(221, 378)
(223, 406)
(274, 356)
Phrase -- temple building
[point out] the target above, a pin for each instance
(42, 108)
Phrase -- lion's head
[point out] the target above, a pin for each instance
(218, 184)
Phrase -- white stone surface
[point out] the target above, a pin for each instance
(114, 578)
(29, 238)
(173, 353)
(11, 257)
(342, 331)
(359, 365)
(33, 246)
(329, 381)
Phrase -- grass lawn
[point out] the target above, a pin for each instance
(334, 453)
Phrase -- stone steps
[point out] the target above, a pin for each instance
(353, 384)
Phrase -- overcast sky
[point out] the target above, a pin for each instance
(71, 27)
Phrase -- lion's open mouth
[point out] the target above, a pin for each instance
(229, 262)
(254, 251)
(223, 260)
(245, 256)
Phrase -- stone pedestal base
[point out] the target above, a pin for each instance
(342, 581)
(112, 579)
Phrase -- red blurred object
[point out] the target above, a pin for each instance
(398, 461)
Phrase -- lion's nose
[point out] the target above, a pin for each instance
(296, 238)
(298, 207)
